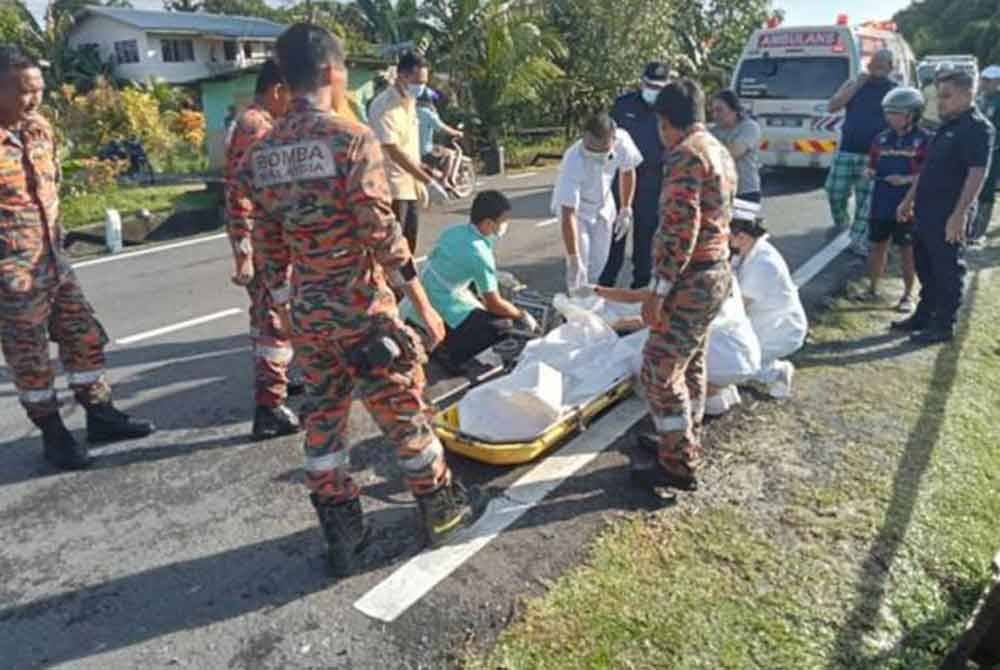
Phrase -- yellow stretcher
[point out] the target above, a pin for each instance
(446, 425)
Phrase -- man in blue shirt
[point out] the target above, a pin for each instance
(862, 100)
(634, 113)
(943, 201)
(463, 259)
(990, 107)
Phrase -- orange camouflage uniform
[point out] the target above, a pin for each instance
(269, 337)
(40, 297)
(690, 253)
(318, 179)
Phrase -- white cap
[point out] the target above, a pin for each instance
(744, 210)
(992, 72)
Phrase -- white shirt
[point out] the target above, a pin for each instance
(585, 185)
(773, 303)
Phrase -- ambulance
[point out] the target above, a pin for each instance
(787, 75)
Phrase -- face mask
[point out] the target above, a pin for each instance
(596, 156)
(416, 90)
(502, 229)
(650, 95)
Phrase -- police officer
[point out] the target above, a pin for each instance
(990, 107)
(693, 278)
(40, 297)
(943, 202)
(272, 350)
(316, 188)
(633, 112)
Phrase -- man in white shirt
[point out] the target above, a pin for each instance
(583, 201)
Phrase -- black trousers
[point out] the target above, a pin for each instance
(941, 269)
(646, 213)
(480, 331)
(408, 214)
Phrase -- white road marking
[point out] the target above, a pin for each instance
(412, 581)
(149, 334)
(522, 175)
(812, 267)
(152, 250)
(547, 222)
(408, 584)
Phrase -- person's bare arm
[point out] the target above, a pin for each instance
(568, 217)
(622, 295)
(400, 158)
(498, 306)
(955, 228)
(845, 93)
(626, 187)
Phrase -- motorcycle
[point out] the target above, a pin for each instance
(460, 178)
(131, 150)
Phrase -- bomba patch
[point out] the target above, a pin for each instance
(292, 163)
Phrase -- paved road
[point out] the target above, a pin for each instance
(195, 548)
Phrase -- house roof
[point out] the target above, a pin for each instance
(188, 22)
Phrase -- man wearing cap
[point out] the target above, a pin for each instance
(633, 112)
(862, 100)
(990, 108)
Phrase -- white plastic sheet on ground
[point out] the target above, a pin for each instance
(584, 358)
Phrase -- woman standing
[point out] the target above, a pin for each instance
(741, 135)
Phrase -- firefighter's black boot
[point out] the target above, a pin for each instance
(60, 448)
(106, 423)
(443, 512)
(344, 529)
(271, 422)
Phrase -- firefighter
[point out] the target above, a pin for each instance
(40, 297)
(315, 186)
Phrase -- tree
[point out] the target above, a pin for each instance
(953, 26)
(255, 8)
(182, 5)
(388, 22)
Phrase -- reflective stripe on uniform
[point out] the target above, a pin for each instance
(331, 461)
(85, 378)
(672, 424)
(275, 354)
(38, 397)
(425, 459)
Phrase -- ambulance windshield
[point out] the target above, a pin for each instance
(792, 78)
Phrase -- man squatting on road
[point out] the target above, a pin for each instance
(315, 188)
(40, 297)
(272, 350)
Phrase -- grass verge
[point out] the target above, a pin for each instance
(851, 527)
(89, 208)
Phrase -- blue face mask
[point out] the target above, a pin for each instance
(416, 90)
(649, 95)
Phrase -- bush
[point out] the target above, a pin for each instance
(90, 175)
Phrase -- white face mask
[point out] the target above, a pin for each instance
(649, 95)
(416, 90)
(502, 229)
(600, 157)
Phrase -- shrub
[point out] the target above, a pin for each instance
(90, 175)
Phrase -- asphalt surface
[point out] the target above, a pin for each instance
(197, 548)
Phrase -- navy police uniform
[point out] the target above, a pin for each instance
(636, 116)
(961, 144)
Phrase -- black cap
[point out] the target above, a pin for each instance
(656, 72)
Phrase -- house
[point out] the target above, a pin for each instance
(177, 47)
(226, 94)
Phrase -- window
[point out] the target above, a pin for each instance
(792, 78)
(247, 50)
(177, 51)
(126, 51)
(229, 50)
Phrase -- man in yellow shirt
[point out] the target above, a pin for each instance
(393, 117)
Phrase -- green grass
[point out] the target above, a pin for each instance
(864, 546)
(89, 208)
(519, 154)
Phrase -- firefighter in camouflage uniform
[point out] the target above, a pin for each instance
(316, 187)
(272, 350)
(40, 297)
(692, 279)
